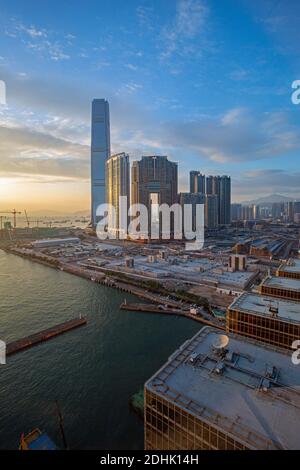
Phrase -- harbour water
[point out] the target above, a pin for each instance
(92, 371)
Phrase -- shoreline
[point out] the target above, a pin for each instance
(101, 278)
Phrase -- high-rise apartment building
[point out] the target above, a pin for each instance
(154, 180)
(225, 200)
(100, 151)
(219, 392)
(211, 211)
(197, 182)
(117, 185)
(221, 187)
(192, 199)
(236, 212)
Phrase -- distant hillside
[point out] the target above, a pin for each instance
(271, 199)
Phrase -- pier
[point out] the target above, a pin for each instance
(164, 310)
(44, 335)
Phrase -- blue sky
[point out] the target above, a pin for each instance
(206, 82)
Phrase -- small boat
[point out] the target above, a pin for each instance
(36, 440)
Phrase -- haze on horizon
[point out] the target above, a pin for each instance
(206, 83)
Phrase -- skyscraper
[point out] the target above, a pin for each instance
(197, 182)
(117, 185)
(154, 180)
(100, 151)
(211, 211)
(221, 187)
(192, 199)
(224, 200)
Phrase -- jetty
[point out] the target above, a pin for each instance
(165, 310)
(44, 335)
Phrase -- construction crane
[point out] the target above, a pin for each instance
(14, 213)
(2, 217)
(27, 220)
(37, 222)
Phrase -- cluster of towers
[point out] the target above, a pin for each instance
(154, 179)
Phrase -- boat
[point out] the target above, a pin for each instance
(36, 440)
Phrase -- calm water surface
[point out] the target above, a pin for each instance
(92, 371)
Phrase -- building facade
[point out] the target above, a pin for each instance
(197, 182)
(154, 180)
(264, 319)
(282, 287)
(220, 186)
(100, 151)
(211, 211)
(192, 199)
(118, 185)
(290, 269)
(196, 401)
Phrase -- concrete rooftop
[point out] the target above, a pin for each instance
(234, 401)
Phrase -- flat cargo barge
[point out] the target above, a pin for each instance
(44, 335)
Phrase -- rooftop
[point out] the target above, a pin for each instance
(261, 305)
(283, 283)
(249, 390)
(292, 266)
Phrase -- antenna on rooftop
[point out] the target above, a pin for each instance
(220, 342)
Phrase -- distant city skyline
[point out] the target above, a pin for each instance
(206, 83)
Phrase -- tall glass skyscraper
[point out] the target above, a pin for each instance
(100, 151)
(117, 185)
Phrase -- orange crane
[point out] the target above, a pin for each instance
(14, 213)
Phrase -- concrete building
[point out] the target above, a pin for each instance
(221, 187)
(236, 212)
(54, 242)
(225, 200)
(154, 180)
(223, 393)
(100, 151)
(237, 263)
(281, 287)
(197, 182)
(211, 211)
(192, 199)
(266, 319)
(290, 269)
(118, 185)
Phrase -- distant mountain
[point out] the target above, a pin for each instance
(271, 199)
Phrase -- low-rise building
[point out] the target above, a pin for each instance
(221, 392)
(290, 269)
(281, 287)
(266, 319)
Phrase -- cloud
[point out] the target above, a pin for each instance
(39, 40)
(237, 136)
(26, 152)
(266, 181)
(189, 22)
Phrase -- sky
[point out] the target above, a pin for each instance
(206, 82)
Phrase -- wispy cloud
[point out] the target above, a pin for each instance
(39, 40)
(189, 22)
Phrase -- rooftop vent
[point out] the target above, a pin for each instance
(274, 310)
(220, 367)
